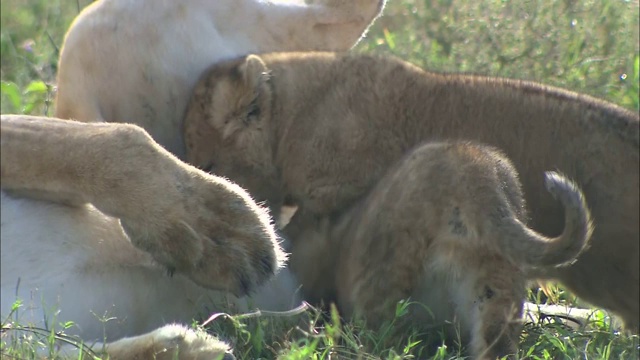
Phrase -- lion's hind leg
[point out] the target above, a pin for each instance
(378, 287)
(168, 342)
(389, 264)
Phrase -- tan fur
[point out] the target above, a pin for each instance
(445, 227)
(200, 225)
(320, 129)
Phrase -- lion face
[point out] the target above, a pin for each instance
(227, 128)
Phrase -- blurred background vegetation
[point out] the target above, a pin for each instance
(589, 46)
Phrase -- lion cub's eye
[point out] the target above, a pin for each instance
(253, 111)
(208, 168)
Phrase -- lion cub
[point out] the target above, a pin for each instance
(320, 129)
(446, 228)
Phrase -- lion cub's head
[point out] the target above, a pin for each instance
(227, 126)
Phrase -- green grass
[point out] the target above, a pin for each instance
(318, 335)
(590, 46)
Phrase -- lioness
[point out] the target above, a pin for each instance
(320, 129)
(445, 227)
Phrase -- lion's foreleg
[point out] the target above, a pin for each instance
(75, 161)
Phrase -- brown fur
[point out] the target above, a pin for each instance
(321, 129)
(445, 227)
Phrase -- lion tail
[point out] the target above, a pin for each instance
(525, 246)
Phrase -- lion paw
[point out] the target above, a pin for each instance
(170, 342)
(215, 234)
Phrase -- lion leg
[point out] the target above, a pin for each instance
(382, 276)
(168, 342)
(201, 225)
(49, 158)
(375, 297)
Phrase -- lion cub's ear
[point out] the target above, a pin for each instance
(245, 94)
(254, 72)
